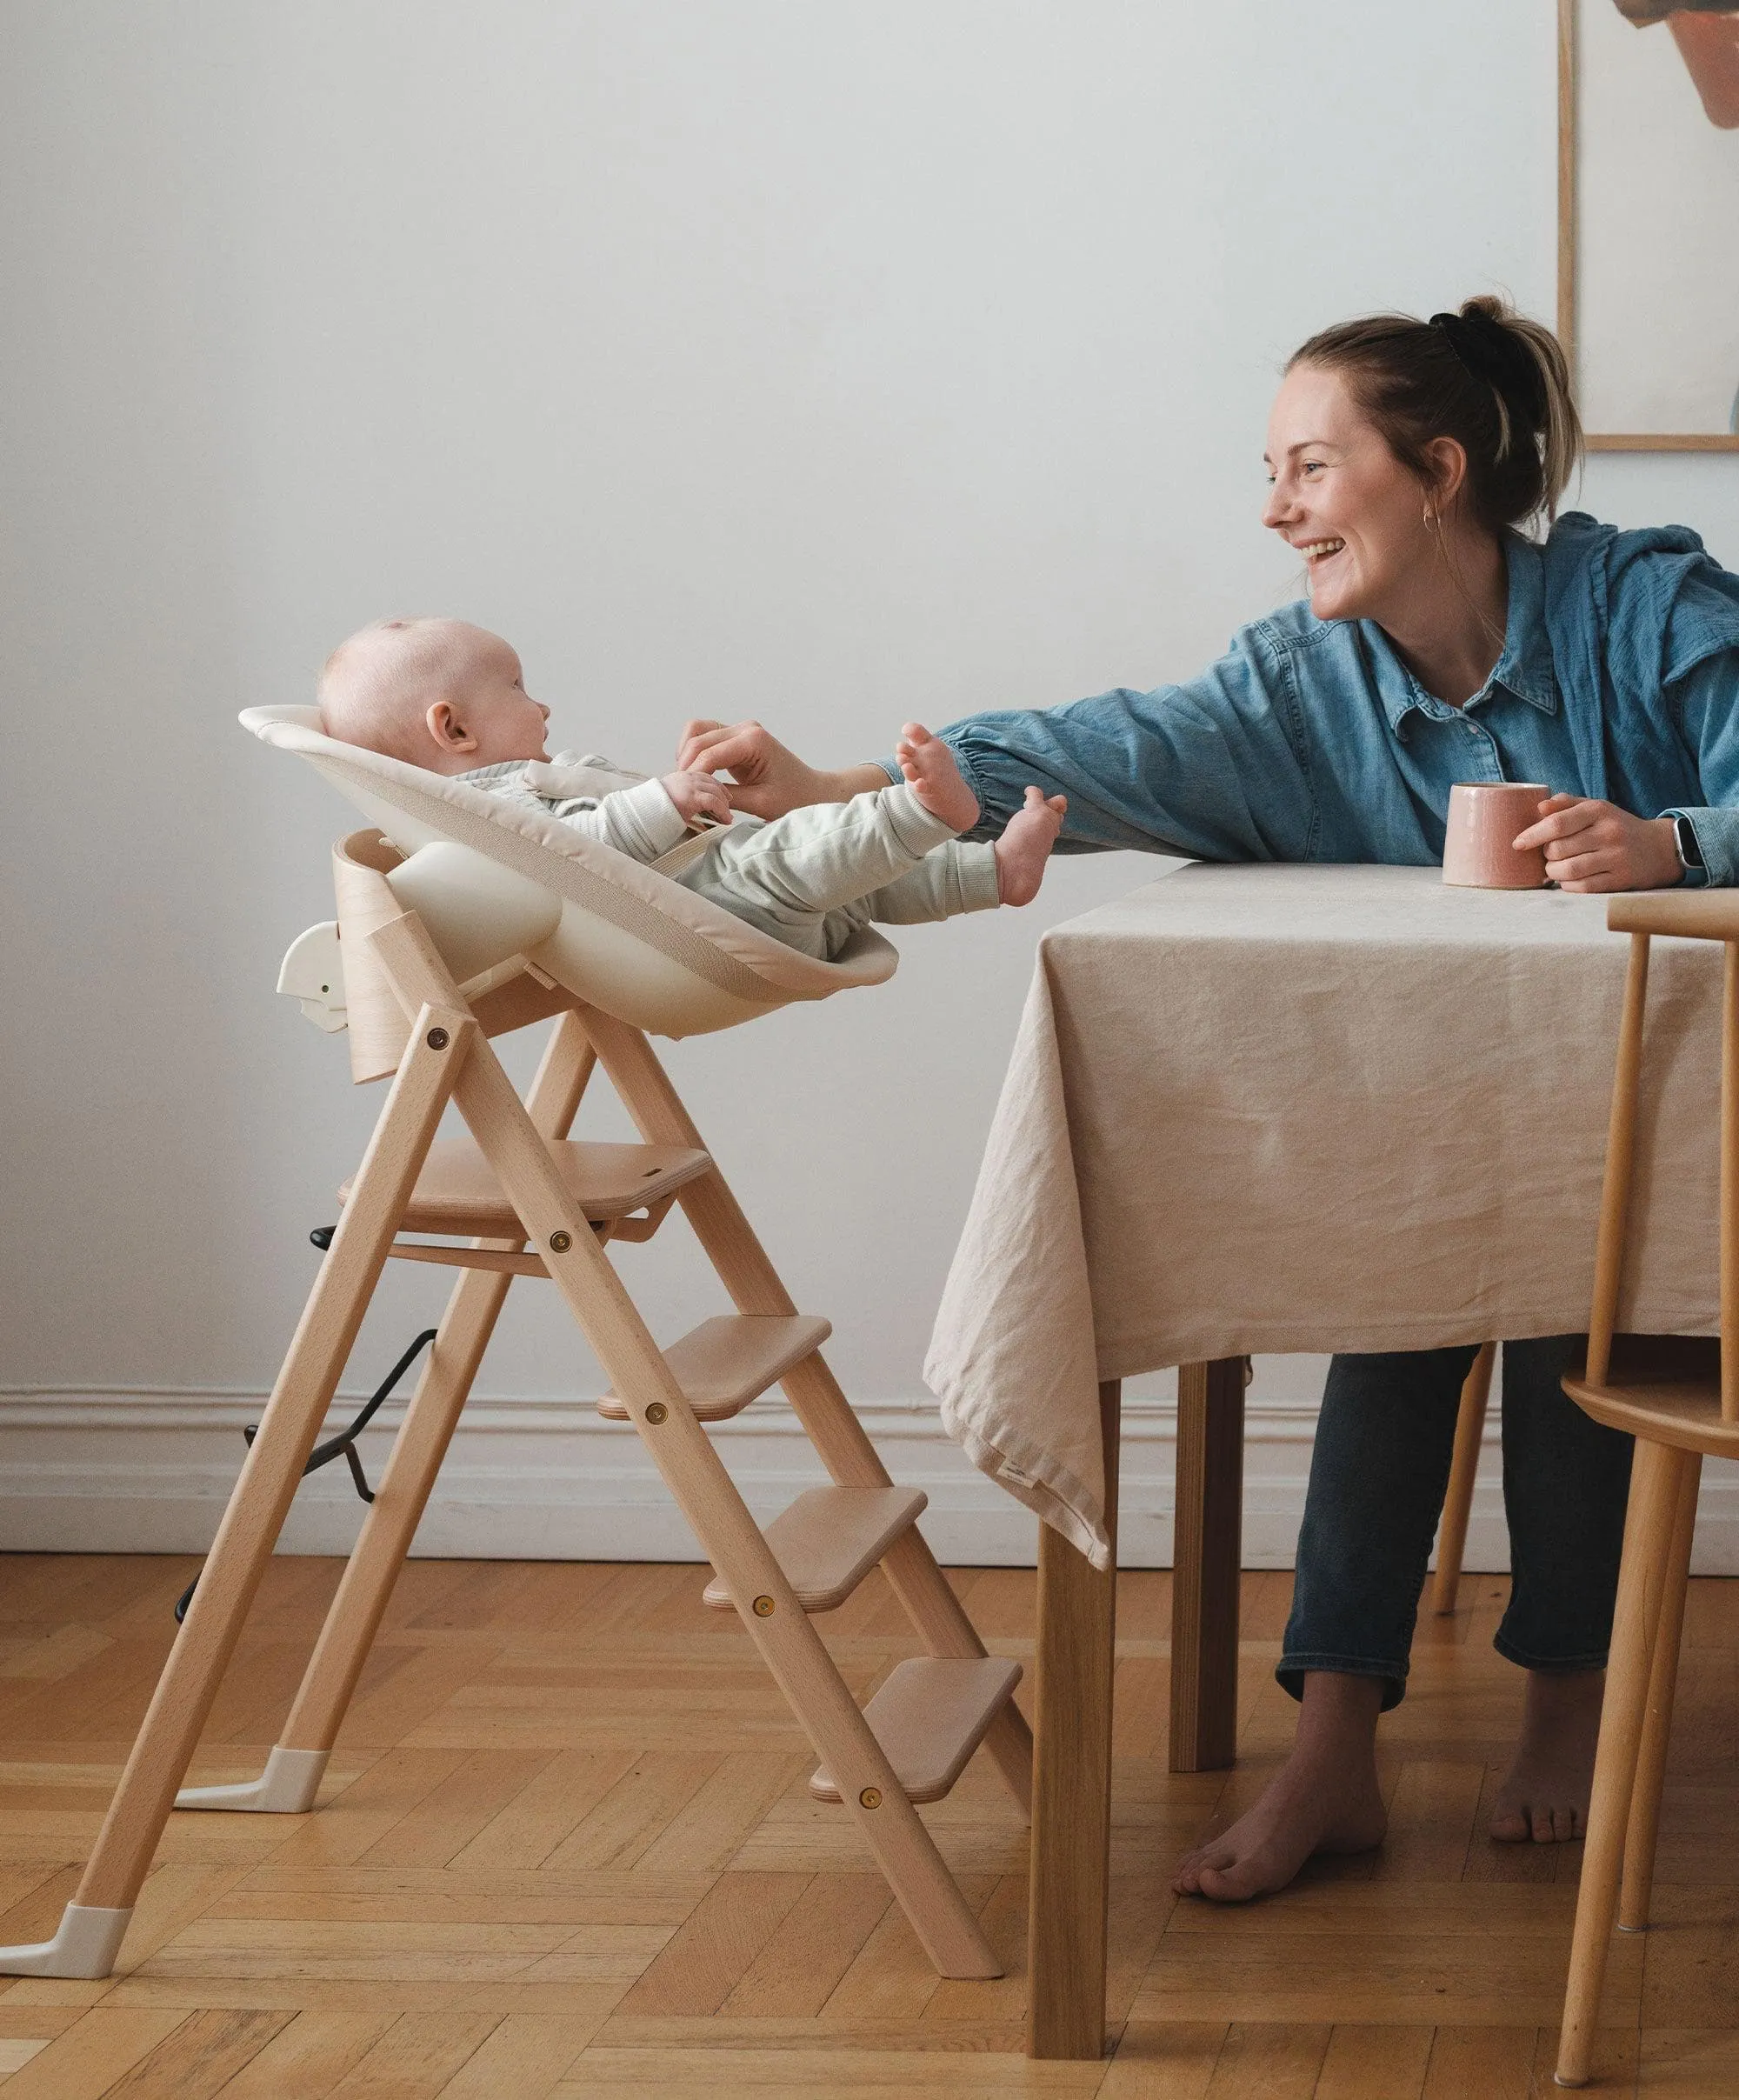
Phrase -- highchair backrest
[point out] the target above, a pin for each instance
(507, 892)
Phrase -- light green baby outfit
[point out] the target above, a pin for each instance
(810, 878)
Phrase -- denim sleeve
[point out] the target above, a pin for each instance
(1705, 701)
(1209, 769)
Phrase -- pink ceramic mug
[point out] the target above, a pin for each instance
(1484, 817)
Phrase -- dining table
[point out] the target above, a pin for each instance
(1258, 1110)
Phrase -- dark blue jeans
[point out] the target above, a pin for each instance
(1377, 1477)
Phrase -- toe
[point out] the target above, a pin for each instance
(1541, 1821)
(1227, 1884)
(1510, 1827)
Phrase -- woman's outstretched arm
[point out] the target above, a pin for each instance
(1208, 769)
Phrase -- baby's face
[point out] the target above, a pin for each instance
(491, 718)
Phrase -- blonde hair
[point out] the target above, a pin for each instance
(375, 685)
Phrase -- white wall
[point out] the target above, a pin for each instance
(833, 363)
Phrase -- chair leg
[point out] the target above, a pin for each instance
(1651, 1761)
(435, 1056)
(1649, 1525)
(1458, 1501)
(354, 1616)
(293, 1772)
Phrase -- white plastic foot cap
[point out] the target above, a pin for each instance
(287, 1787)
(85, 1945)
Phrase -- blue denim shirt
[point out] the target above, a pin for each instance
(1310, 740)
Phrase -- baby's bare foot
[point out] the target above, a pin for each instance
(1543, 1795)
(928, 765)
(1025, 845)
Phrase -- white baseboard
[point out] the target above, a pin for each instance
(545, 1479)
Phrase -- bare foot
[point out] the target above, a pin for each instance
(1025, 845)
(1544, 1793)
(928, 765)
(1324, 1798)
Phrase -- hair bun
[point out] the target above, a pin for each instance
(1493, 352)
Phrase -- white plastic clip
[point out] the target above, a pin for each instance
(313, 972)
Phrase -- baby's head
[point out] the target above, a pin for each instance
(439, 694)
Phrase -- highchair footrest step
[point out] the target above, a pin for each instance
(930, 1716)
(728, 1362)
(830, 1539)
(457, 1194)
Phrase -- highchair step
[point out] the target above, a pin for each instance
(830, 1539)
(726, 1362)
(930, 1716)
(457, 1192)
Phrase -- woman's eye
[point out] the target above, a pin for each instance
(1312, 466)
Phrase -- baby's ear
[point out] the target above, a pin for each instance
(445, 727)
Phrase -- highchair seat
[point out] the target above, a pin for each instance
(495, 883)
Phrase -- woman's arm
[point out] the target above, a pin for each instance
(1206, 769)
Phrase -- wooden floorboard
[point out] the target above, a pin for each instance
(566, 1848)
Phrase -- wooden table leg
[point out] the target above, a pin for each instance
(1207, 1539)
(1071, 1836)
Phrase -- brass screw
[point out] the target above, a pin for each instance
(763, 1606)
(560, 1241)
(870, 1797)
(437, 1038)
(656, 1412)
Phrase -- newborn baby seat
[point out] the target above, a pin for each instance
(460, 918)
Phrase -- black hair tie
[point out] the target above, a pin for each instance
(1489, 352)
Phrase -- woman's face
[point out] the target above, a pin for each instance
(1340, 497)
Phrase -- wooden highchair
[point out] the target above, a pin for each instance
(516, 1197)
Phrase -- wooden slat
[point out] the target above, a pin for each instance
(929, 1715)
(725, 1363)
(830, 1539)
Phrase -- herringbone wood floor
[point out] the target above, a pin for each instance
(568, 1851)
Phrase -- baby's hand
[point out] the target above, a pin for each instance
(697, 795)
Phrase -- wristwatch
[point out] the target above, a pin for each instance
(1684, 837)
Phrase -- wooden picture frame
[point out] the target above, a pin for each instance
(1598, 441)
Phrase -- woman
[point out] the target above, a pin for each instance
(1438, 644)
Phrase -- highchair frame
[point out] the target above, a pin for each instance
(409, 1016)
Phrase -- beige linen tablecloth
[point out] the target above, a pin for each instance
(1255, 1109)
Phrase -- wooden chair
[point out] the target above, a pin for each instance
(1452, 1528)
(468, 888)
(1679, 1397)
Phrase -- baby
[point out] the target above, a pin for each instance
(452, 698)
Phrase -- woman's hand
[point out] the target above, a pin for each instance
(1594, 846)
(767, 780)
